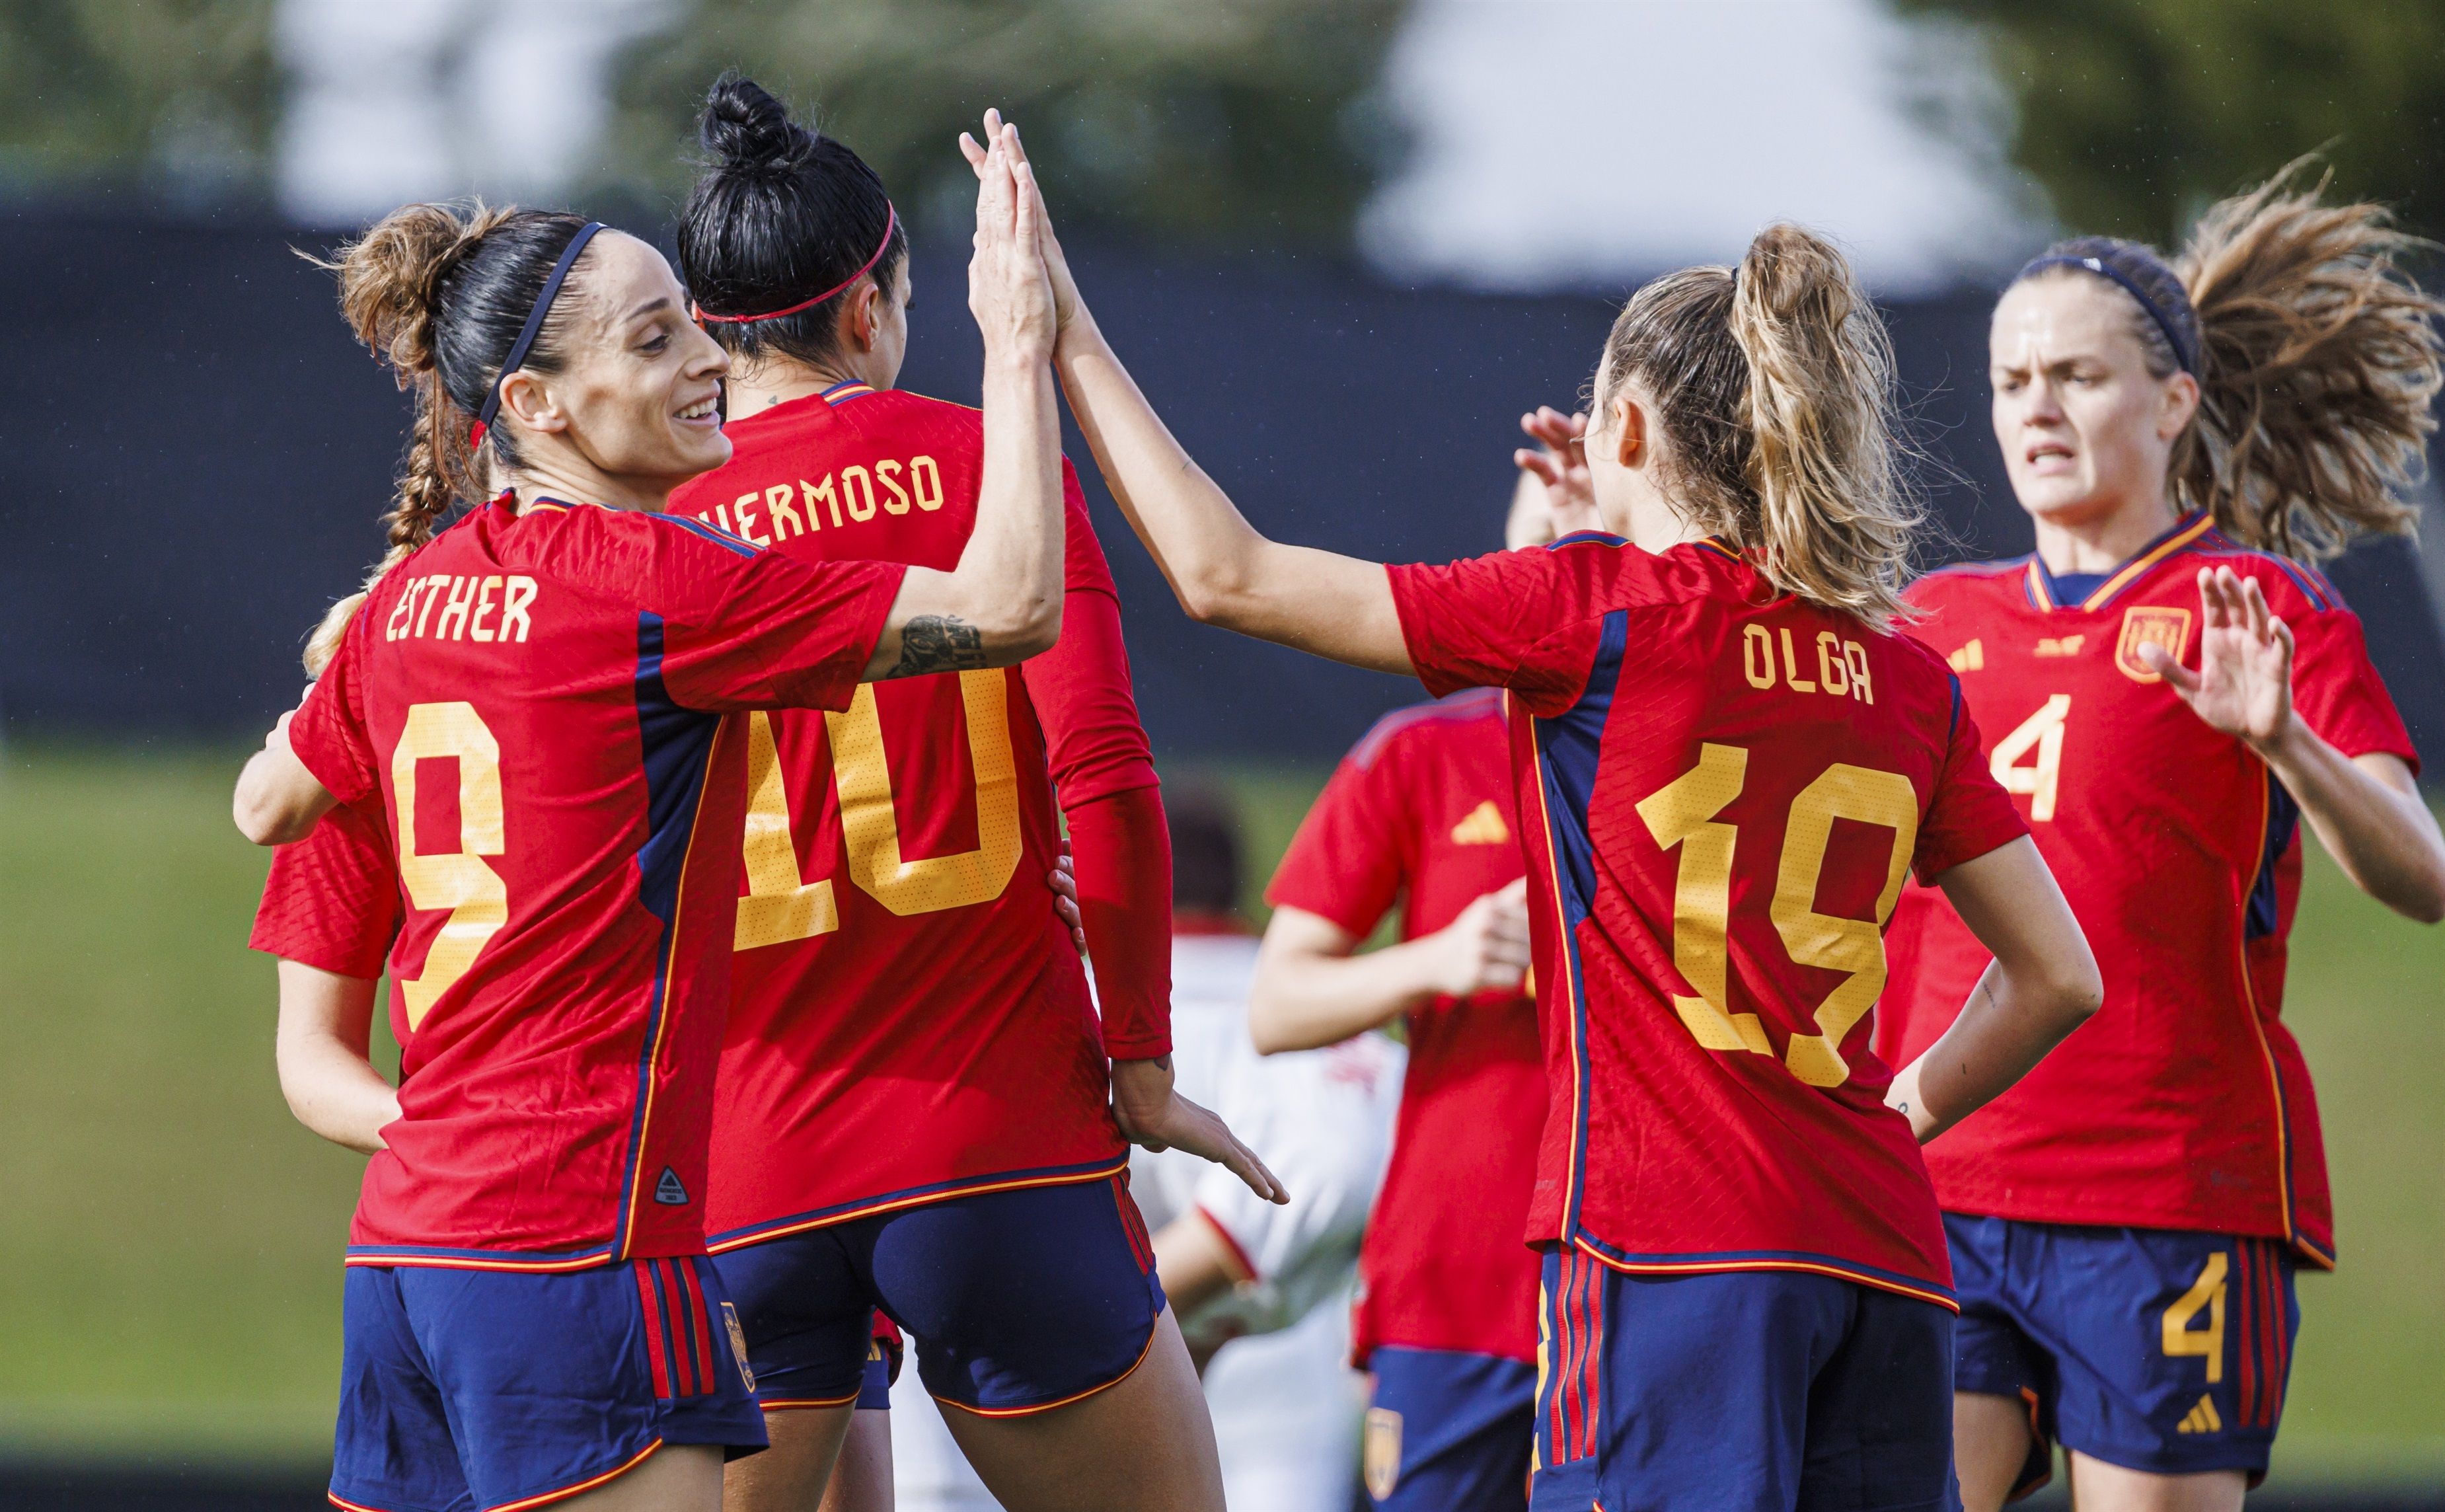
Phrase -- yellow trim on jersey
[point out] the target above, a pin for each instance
(2131, 571)
(985, 1184)
(1881, 1283)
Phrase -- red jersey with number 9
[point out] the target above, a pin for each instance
(2184, 1103)
(911, 1019)
(1723, 790)
(536, 704)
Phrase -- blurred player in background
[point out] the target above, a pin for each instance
(2168, 687)
(1746, 1300)
(916, 1111)
(1421, 814)
(529, 1314)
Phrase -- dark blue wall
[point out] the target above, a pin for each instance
(193, 458)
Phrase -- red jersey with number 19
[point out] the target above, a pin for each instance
(535, 703)
(2185, 1103)
(910, 1021)
(1718, 826)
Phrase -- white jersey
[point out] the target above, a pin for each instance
(1286, 1405)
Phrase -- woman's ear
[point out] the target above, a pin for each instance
(1629, 429)
(527, 396)
(2181, 402)
(862, 319)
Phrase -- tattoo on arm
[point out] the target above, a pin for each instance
(938, 643)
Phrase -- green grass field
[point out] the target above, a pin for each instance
(170, 1241)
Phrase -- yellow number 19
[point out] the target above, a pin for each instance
(1682, 814)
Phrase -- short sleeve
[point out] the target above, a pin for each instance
(748, 629)
(1513, 620)
(330, 732)
(1353, 850)
(1969, 814)
(332, 898)
(2337, 691)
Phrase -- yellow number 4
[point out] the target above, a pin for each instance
(2038, 780)
(2205, 1295)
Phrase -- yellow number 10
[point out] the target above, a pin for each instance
(781, 905)
(1682, 814)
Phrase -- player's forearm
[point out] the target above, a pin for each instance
(1122, 851)
(277, 801)
(322, 1050)
(1012, 564)
(2379, 831)
(1304, 1000)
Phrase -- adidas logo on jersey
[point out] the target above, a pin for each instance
(1970, 658)
(1484, 826)
(2202, 1418)
(668, 1191)
(2068, 645)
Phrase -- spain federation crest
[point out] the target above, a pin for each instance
(739, 1345)
(1382, 1459)
(2148, 624)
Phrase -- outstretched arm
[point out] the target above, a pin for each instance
(1002, 603)
(2366, 808)
(2041, 986)
(1311, 990)
(1223, 571)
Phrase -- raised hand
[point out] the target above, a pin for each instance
(1057, 267)
(2244, 684)
(1559, 461)
(1485, 949)
(1151, 1114)
(1008, 290)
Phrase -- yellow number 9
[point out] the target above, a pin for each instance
(458, 878)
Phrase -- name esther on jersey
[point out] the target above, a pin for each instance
(487, 609)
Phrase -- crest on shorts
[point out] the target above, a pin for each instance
(2145, 624)
(1383, 1456)
(738, 1344)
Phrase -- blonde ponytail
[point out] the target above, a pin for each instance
(1775, 387)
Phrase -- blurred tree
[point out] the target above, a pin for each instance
(1219, 116)
(2135, 114)
(180, 92)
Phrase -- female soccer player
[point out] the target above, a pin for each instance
(1421, 810)
(915, 1111)
(537, 700)
(1725, 764)
(2169, 687)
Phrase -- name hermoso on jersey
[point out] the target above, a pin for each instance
(851, 495)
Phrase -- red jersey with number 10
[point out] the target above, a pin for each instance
(909, 1018)
(535, 704)
(2185, 1102)
(1724, 789)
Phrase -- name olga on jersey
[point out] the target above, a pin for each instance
(490, 608)
(852, 496)
(1840, 664)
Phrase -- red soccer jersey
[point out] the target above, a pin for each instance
(332, 901)
(1718, 826)
(2185, 1102)
(1421, 810)
(535, 704)
(910, 1021)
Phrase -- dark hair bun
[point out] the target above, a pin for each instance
(746, 128)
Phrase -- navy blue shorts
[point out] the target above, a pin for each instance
(464, 1391)
(1017, 1301)
(1739, 1390)
(1448, 1429)
(2152, 1349)
(882, 1369)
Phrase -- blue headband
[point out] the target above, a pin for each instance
(2098, 266)
(532, 329)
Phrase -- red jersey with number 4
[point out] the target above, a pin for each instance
(1421, 810)
(2185, 1102)
(911, 1019)
(1724, 790)
(535, 704)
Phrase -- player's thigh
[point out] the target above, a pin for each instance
(2097, 1486)
(1448, 1429)
(1991, 1443)
(676, 1477)
(1143, 1442)
(861, 1479)
(1021, 1300)
(792, 1476)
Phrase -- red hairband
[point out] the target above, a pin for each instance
(890, 220)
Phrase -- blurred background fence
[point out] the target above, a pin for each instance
(1343, 244)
